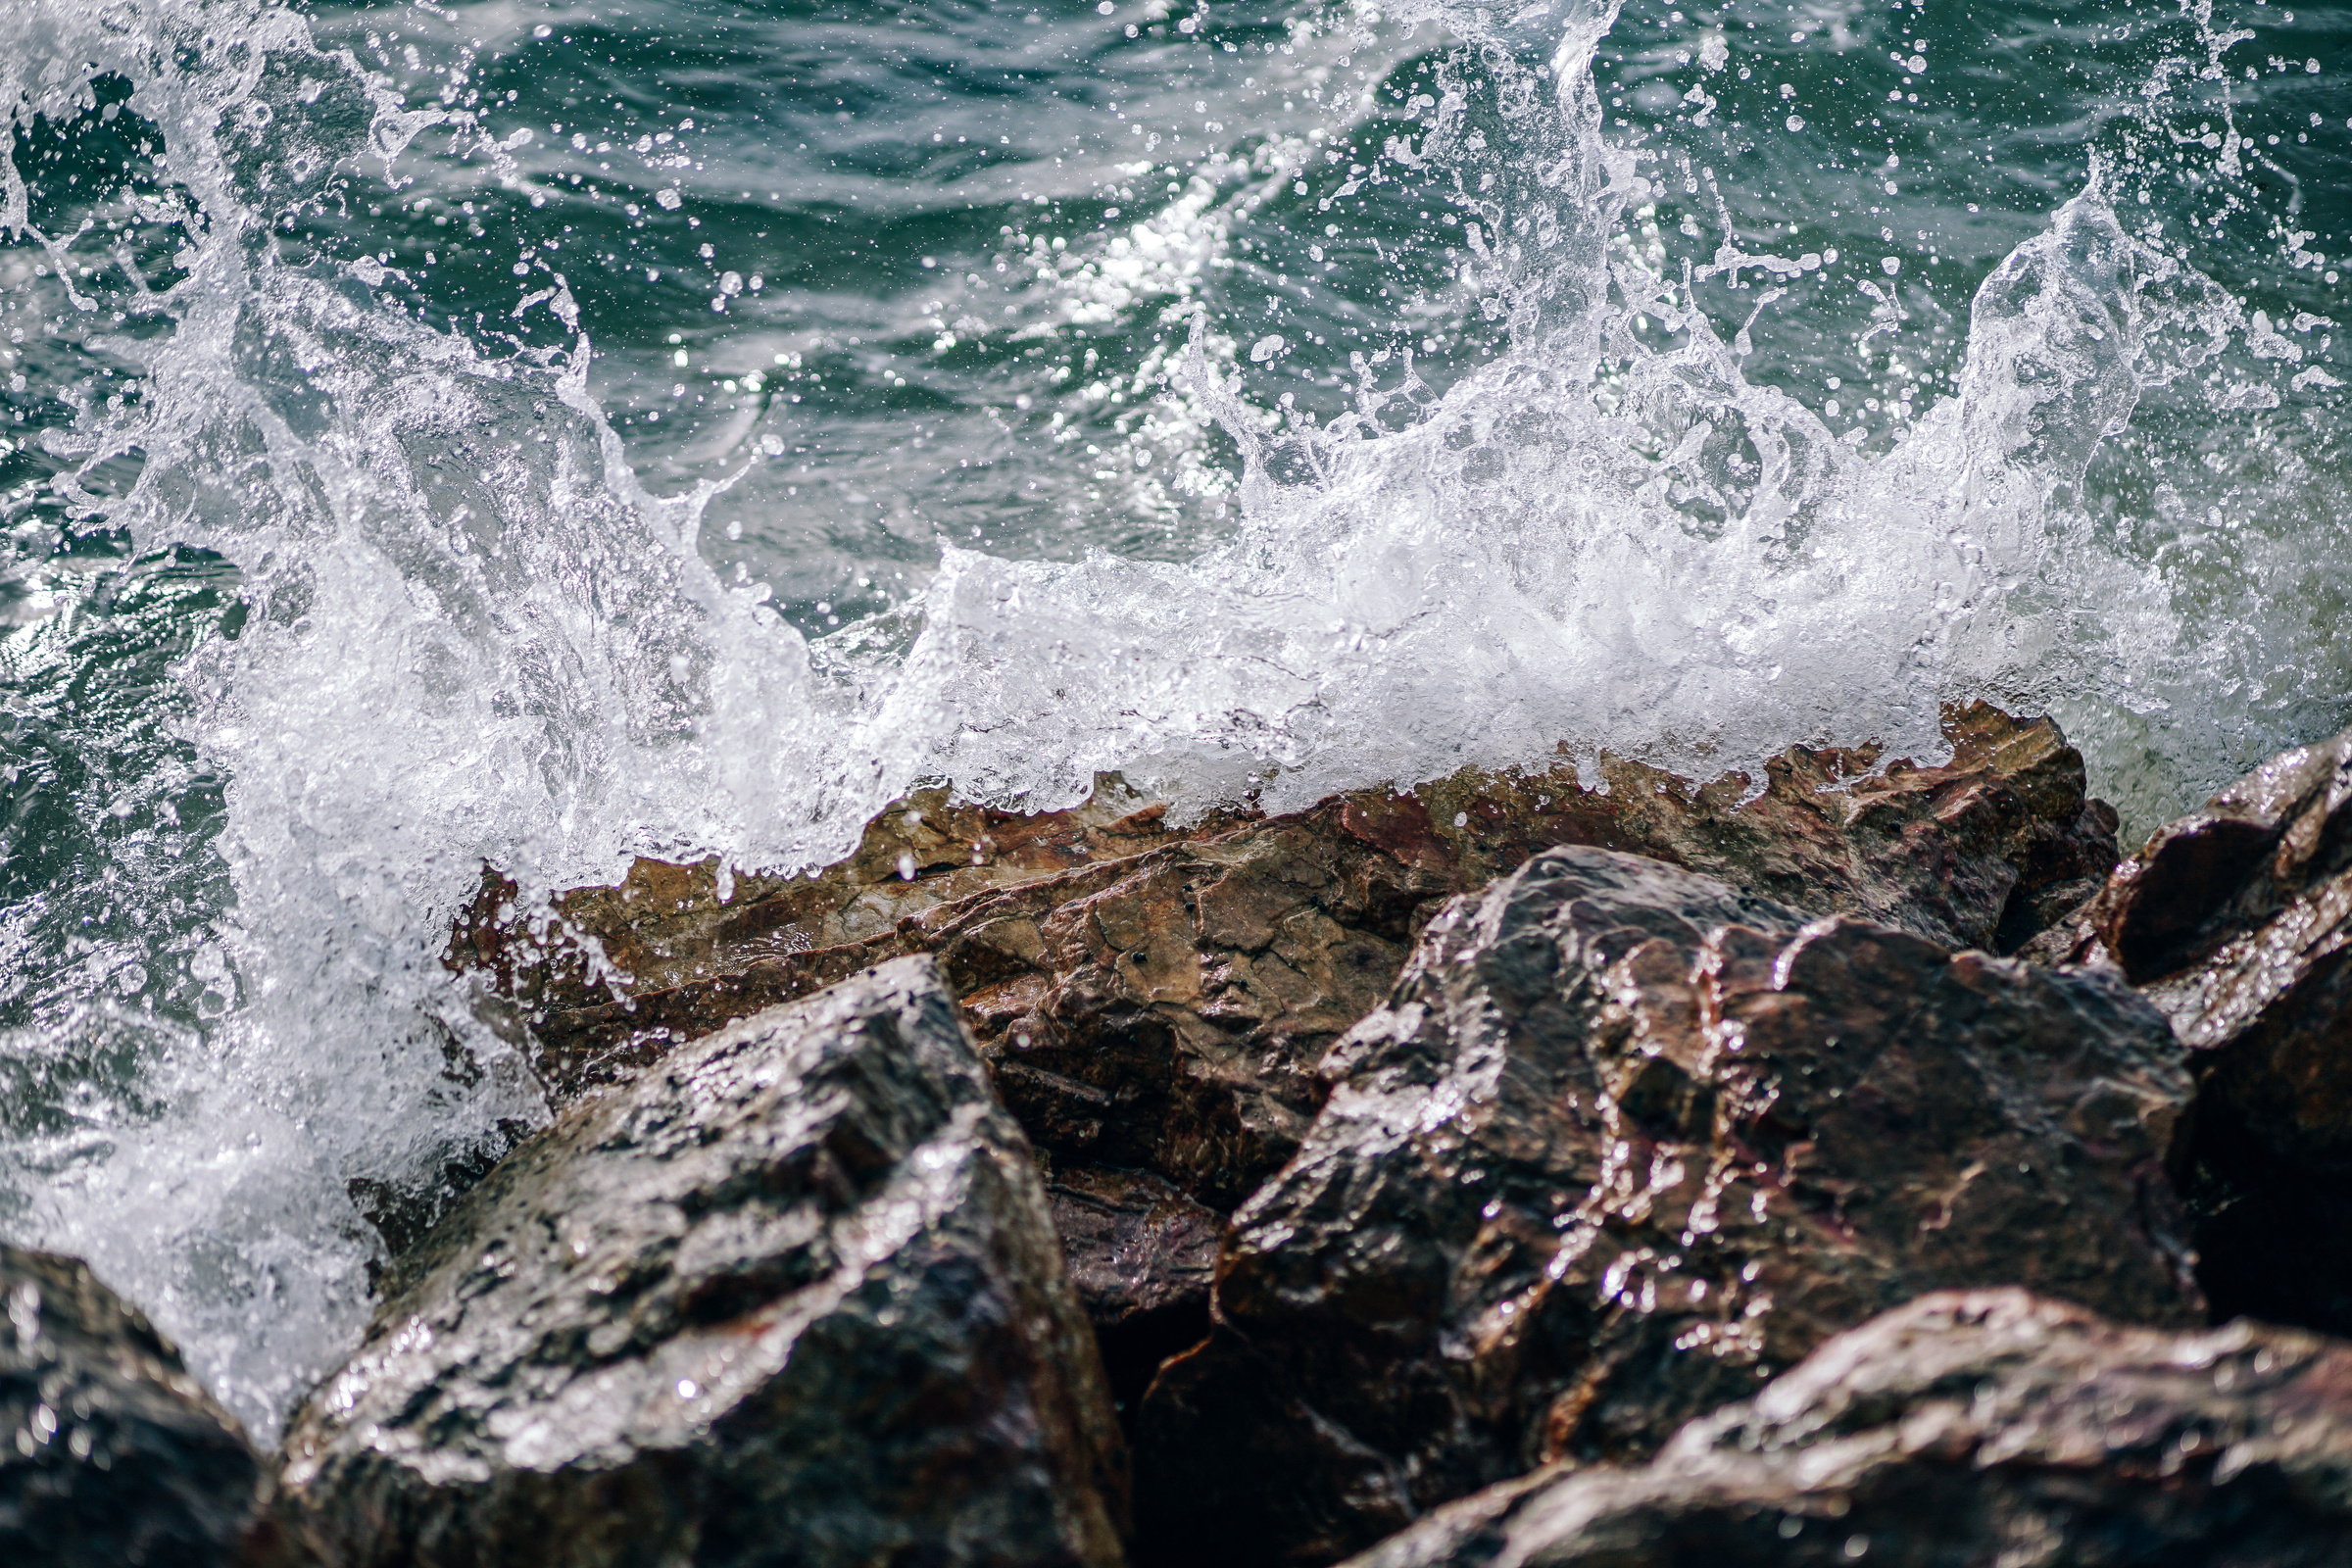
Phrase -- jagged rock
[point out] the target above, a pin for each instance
(1624, 1142)
(1152, 1002)
(1232, 954)
(1979, 852)
(2237, 922)
(110, 1453)
(666, 925)
(794, 1295)
(2202, 885)
(1965, 1429)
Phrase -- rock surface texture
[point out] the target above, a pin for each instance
(794, 1295)
(1153, 1002)
(1624, 1142)
(1984, 851)
(113, 1454)
(1965, 1430)
(2237, 922)
(1141, 1255)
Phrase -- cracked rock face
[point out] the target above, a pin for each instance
(1965, 1429)
(1625, 1143)
(110, 1453)
(791, 1295)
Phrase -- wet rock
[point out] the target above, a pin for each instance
(110, 1453)
(1625, 1143)
(1140, 1256)
(2202, 884)
(2237, 922)
(1162, 1012)
(1175, 990)
(1966, 1428)
(1154, 1001)
(666, 925)
(793, 1295)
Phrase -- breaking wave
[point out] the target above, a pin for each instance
(393, 600)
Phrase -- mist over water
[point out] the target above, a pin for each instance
(545, 434)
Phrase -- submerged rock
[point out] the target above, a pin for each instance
(2237, 922)
(113, 1454)
(794, 1295)
(1625, 1143)
(1965, 1429)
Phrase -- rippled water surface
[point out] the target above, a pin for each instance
(548, 433)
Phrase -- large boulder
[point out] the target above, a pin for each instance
(1965, 1429)
(110, 1453)
(1625, 1143)
(791, 1295)
(2237, 922)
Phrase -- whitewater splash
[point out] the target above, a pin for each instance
(467, 633)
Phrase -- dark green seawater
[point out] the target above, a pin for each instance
(438, 433)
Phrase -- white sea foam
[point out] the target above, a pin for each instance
(473, 635)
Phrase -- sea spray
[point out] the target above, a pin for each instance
(384, 598)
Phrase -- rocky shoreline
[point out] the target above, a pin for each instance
(1865, 1163)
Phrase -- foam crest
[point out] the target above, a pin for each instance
(1607, 537)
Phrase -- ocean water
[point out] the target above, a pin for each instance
(541, 435)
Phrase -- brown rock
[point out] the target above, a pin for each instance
(1153, 1002)
(1625, 1143)
(1160, 1012)
(1237, 951)
(666, 925)
(2204, 883)
(792, 1295)
(2237, 922)
(1965, 1430)
(113, 1454)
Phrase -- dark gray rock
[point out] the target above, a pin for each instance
(792, 1295)
(110, 1453)
(1153, 1000)
(1624, 1144)
(1963, 1431)
(2237, 922)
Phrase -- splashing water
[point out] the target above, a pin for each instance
(324, 594)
